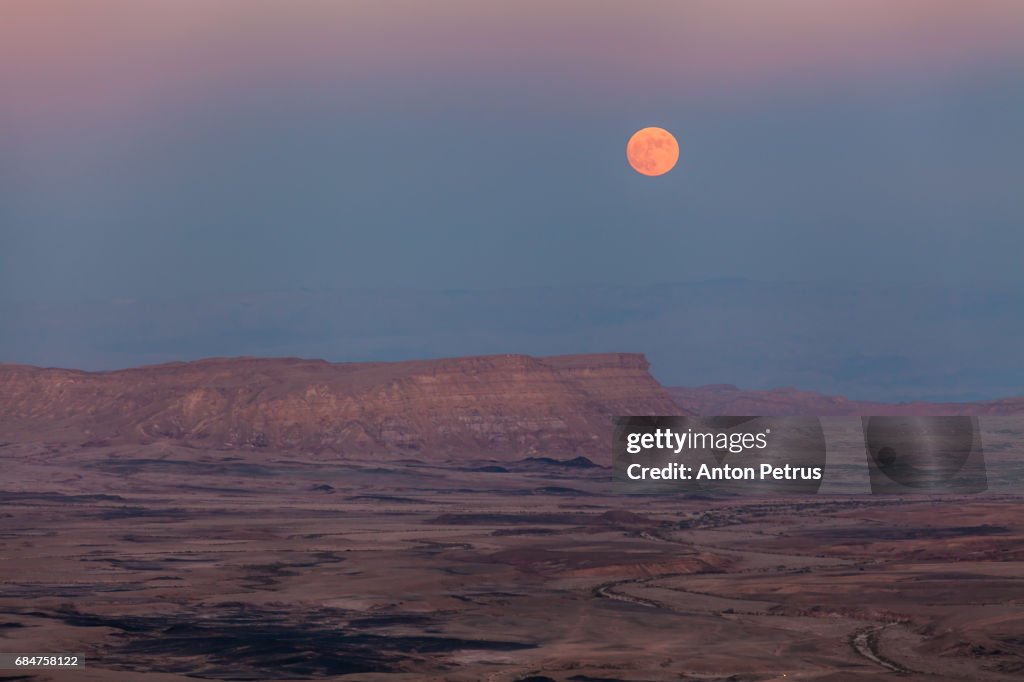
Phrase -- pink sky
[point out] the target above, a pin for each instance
(102, 56)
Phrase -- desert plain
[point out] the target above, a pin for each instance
(161, 562)
(457, 520)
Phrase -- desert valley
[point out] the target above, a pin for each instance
(256, 519)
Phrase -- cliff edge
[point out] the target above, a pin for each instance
(504, 406)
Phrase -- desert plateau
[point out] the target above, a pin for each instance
(152, 529)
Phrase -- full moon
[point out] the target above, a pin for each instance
(652, 151)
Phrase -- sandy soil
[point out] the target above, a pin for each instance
(161, 563)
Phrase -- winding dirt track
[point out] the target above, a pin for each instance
(864, 641)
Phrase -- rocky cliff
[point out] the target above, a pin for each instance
(501, 406)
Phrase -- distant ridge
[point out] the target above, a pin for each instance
(504, 406)
(726, 399)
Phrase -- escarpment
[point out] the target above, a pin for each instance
(506, 406)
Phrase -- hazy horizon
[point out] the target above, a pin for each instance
(887, 342)
(184, 155)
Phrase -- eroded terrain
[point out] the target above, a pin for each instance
(160, 562)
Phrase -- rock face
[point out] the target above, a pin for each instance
(725, 399)
(504, 406)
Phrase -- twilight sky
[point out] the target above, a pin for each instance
(166, 149)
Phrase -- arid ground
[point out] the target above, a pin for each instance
(160, 562)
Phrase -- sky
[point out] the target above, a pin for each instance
(163, 150)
